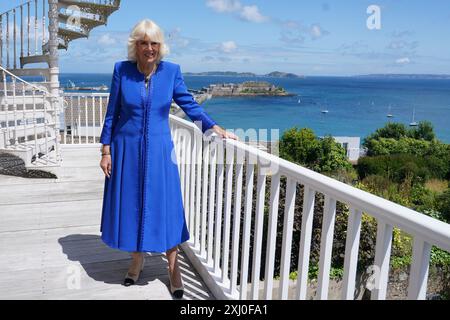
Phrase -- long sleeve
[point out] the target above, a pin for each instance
(113, 109)
(186, 101)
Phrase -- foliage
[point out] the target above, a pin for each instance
(391, 130)
(443, 205)
(398, 131)
(395, 138)
(439, 257)
(335, 273)
(398, 167)
(436, 185)
(301, 146)
(401, 262)
(423, 131)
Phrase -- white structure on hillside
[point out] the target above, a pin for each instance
(352, 145)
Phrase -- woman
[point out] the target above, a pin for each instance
(142, 205)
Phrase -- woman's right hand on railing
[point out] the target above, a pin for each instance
(105, 163)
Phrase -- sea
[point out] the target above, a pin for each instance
(337, 106)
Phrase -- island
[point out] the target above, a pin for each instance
(248, 88)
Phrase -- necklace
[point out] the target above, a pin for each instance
(150, 74)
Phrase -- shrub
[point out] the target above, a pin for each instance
(325, 155)
(399, 166)
(443, 205)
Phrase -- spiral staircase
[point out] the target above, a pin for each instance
(30, 36)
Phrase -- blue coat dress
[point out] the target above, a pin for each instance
(142, 203)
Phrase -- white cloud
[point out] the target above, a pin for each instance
(228, 46)
(316, 31)
(401, 44)
(403, 61)
(224, 5)
(247, 13)
(294, 32)
(176, 40)
(252, 14)
(107, 40)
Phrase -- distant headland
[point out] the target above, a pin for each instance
(405, 76)
(274, 74)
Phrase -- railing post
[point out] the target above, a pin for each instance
(14, 39)
(249, 178)
(286, 250)
(305, 242)
(351, 253)
(326, 247)
(56, 100)
(271, 234)
(418, 275)
(1, 40)
(7, 40)
(382, 259)
(21, 33)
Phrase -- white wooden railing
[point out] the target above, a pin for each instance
(205, 172)
(28, 121)
(83, 117)
(211, 173)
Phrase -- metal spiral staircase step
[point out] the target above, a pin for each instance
(64, 18)
(44, 58)
(69, 35)
(100, 7)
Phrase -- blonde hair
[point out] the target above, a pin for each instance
(150, 29)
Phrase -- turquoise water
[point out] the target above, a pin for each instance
(356, 106)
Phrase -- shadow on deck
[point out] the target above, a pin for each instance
(50, 245)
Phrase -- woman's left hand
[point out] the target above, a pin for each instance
(223, 133)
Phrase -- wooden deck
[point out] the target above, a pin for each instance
(50, 245)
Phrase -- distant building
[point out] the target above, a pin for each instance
(352, 145)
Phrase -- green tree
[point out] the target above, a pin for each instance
(424, 131)
(303, 147)
(299, 146)
(443, 205)
(390, 130)
(332, 156)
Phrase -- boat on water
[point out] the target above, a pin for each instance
(324, 111)
(389, 114)
(72, 87)
(413, 123)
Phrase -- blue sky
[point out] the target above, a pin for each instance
(307, 37)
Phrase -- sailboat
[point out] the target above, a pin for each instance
(413, 123)
(71, 84)
(389, 115)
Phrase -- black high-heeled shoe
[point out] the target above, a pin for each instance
(177, 292)
(132, 279)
